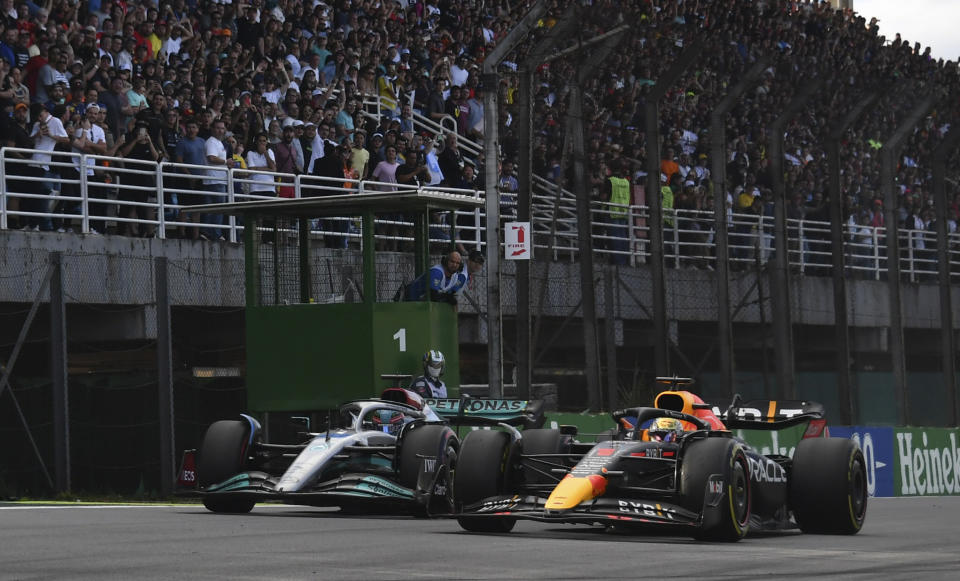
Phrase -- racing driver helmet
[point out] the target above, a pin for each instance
(665, 430)
(384, 420)
(433, 364)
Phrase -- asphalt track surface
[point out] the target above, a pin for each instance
(904, 538)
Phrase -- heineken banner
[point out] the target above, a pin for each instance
(908, 461)
(927, 462)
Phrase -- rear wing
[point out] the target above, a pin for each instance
(488, 412)
(763, 414)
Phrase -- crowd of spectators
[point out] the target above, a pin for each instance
(802, 42)
(302, 77)
(285, 85)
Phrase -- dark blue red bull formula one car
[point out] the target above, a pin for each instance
(676, 465)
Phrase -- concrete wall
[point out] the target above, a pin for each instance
(120, 271)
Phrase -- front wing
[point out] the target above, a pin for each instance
(604, 510)
(345, 490)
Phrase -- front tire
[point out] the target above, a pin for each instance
(228, 505)
(482, 472)
(427, 440)
(223, 454)
(828, 486)
(726, 515)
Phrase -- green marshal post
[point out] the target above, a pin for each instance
(306, 355)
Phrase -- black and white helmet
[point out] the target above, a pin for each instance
(433, 364)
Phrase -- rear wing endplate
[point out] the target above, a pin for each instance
(187, 475)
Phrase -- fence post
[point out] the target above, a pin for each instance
(947, 341)
(780, 273)
(491, 144)
(232, 219)
(875, 236)
(610, 274)
(161, 206)
(801, 231)
(661, 336)
(911, 255)
(3, 183)
(84, 195)
(164, 376)
(58, 376)
(848, 398)
(888, 160)
(586, 69)
(524, 350)
(718, 142)
(585, 246)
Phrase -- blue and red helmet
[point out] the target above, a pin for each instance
(665, 430)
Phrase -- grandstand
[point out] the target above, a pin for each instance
(332, 86)
(300, 64)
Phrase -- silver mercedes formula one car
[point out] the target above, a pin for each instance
(395, 453)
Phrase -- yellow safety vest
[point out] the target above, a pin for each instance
(619, 195)
(666, 204)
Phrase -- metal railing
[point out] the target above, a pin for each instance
(122, 195)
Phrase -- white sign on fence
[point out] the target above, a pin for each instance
(519, 241)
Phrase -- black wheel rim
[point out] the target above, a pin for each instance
(740, 492)
(448, 479)
(858, 490)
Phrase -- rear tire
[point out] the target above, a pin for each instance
(541, 441)
(222, 456)
(729, 519)
(482, 472)
(828, 486)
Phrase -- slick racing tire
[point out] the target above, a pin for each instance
(541, 441)
(726, 511)
(222, 455)
(228, 505)
(433, 441)
(828, 486)
(482, 472)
